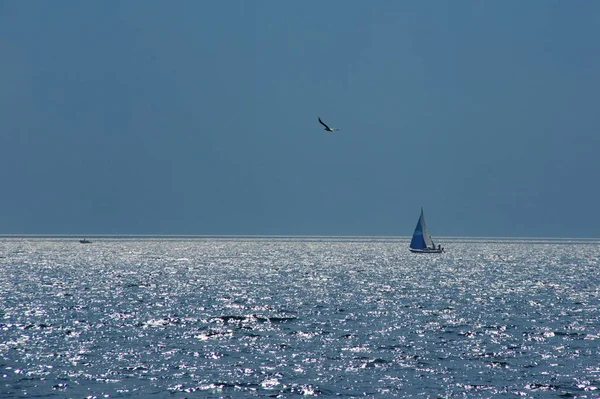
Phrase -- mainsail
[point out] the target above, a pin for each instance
(421, 238)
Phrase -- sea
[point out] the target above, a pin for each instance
(280, 317)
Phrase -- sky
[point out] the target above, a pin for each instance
(198, 117)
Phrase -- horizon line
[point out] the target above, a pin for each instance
(262, 236)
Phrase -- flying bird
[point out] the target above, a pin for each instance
(327, 128)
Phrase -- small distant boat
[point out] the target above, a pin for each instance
(85, 241)
(421, 242)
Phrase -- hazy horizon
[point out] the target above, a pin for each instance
(438, 239)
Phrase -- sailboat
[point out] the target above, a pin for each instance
(421, 242)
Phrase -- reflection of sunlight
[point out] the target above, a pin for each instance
(215, 315)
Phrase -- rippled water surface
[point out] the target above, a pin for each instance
(275, 317)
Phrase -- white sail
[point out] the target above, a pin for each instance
(426, 236)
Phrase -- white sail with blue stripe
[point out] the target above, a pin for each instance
(421, 240)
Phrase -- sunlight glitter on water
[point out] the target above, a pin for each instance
(324, 317)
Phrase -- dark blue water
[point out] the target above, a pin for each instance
(210, 317)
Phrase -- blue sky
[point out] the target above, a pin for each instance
(194, 117)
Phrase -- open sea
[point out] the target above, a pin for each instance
(281, 317)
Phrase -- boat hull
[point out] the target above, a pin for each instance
(426, 251)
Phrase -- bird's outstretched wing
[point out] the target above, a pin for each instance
(321, 122)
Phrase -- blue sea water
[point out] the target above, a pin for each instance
(284, 317)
